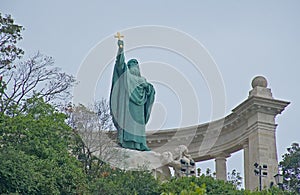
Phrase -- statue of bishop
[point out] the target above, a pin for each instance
(131, 100)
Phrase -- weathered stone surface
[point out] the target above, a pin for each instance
(259, 81)
(158, 163)
(133, 159)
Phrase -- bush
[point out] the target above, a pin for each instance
(120, 182)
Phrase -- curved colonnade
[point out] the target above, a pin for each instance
(250, 127)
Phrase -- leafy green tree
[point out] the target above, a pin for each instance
(10, 34)
(111, 181)
(35, 142)
(209, 185)
(192, 190)
(291, 168)
(270, 191)
(35, 152)
(213, 186)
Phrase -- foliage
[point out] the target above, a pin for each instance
(209, 185)
(34, 152)
(38, 77)
(94, 117)
(94, 143)
(101, 108)
(192, 190)
(213, 186)
(2, 88)
(119, 182)
(235, 178)
(291, 168)
(270, 191)
(10, 34)
(209, 173)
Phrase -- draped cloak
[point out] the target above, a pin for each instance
(131, 100)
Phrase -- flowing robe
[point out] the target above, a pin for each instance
(131, 100)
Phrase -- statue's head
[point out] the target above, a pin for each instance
(133, 66)
(132, 62)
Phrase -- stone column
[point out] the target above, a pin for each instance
(262, 150)
(261, 110)
(221, 169)
(246, 165)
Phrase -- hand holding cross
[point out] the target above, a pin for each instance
(119, 37)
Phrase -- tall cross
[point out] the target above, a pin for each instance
(119, 36)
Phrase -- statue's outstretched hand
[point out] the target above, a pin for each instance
(120, 43)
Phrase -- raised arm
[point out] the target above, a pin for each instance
(120, 60)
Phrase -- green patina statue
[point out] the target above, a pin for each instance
(131, 100)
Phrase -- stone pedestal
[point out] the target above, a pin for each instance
(158, 163)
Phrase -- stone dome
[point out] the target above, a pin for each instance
(259, 81)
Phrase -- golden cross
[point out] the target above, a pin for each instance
(119, 36)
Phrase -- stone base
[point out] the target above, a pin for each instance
(159, 164)
(127, 159)
(133, 159)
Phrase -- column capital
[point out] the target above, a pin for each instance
(221, 155)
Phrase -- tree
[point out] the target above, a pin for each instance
(209, 173)
(35, 142)
(192, 189)
(113, 181)
(212, 186)
(290, 165)
(235, 178)
(10, 34)
(38, 77)
(93, 126)
(209, 185)
(101, 108)
(35, 152)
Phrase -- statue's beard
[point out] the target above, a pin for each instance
(135, 71)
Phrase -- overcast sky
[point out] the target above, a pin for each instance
(244, 39)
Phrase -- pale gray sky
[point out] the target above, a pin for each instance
(245, 38)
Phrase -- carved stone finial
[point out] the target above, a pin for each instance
(259, 84)
(259, 81)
